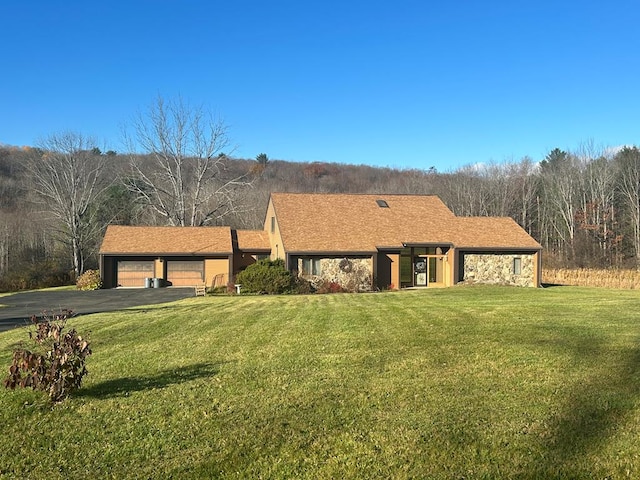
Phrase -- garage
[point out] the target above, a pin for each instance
(172, 256)
(185, 273)
(132, 273)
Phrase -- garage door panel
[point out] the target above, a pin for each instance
(185, 273)
(132, 273)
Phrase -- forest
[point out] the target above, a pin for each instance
(57, 198)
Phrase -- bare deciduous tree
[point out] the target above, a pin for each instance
(67, 177)
(628, 161)
(186, 180)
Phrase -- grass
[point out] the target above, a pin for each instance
(466, 382)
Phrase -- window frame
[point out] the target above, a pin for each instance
(517, 266)
(311, 266)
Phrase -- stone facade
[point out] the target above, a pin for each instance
(498, 269)
(352, 274)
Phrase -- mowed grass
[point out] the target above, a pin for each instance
(466, 382)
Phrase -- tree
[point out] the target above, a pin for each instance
(67, 177)
(561, 188)
(628, 163)
(262, 159)
(185, 180)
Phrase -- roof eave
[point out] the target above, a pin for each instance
(332, 252)
(167, 254)
(500, 248)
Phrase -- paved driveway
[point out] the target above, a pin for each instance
(17, 309)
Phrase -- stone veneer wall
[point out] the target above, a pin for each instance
(355, 275)
(498, 269)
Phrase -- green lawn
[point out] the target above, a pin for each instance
(466, 382)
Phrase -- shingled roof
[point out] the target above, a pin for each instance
(126, 240)
(364, 223)
(253, 241)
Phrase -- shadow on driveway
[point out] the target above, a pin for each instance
(18, 308)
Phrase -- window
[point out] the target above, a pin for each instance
(382, 203)
(517, 266)
(311, 266)
(273, 224)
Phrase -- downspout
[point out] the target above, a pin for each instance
(231, 278)
(539, 272)
(101, 264)
(374, 273)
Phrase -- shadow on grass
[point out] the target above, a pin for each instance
(121, 387)
(590, 415)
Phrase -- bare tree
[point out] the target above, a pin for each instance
(186, 180)
(561, 185)
(597, 213)
(67, 177)
(628, 162)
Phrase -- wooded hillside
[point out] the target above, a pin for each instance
(56, 200)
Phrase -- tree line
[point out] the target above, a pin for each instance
(57, 198)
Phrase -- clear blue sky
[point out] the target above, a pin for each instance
(408, 84)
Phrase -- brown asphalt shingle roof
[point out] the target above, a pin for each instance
(253, 240)
(355, 223)
(167, 240)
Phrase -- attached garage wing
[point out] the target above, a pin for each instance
(185, 273)
(132, 273)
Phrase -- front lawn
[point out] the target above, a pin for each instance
(465, 382)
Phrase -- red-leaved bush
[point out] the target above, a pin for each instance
(56, 365)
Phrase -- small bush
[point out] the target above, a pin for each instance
(57, 363)
(89, 280)
(329, 287)
(301, 286)
(266, 276)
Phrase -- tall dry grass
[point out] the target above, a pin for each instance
(592, 277)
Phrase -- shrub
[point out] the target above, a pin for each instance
(57, 363)
(266, 276)
(301, 285)
(329, 287)
(89, 280)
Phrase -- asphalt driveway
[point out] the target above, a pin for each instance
(17, 309)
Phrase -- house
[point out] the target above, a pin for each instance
(365, 241)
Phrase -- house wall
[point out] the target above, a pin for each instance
(387, 270)
(356, 275)
(159, 269)
(243, 260)
(275, 239)
(216, 269)
(108, 272)
(497, 268)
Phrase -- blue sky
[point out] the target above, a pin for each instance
(406, 84)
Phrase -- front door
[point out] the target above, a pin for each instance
(420, 272)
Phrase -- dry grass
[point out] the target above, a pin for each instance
(592, 277)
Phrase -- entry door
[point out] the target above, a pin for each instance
(420, 272)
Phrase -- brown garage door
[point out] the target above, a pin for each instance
(131, 273)
(185, 273)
